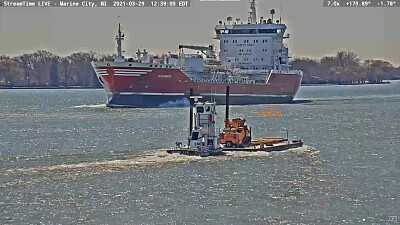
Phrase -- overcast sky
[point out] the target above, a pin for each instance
(315, 31)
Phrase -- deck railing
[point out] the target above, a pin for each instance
(231, 81)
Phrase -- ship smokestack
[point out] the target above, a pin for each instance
(227, 106)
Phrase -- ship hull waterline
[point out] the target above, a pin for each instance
(130, 100)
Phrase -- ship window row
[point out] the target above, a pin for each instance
(166, 66)
(250, 31)
(247, 50)
(246, 59)
(256, 68)
(233, 41)
(245, 41)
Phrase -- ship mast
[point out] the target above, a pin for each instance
(253, 13)
(119, 41)
(119, 38)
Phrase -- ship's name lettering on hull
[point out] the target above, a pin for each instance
(164, 76)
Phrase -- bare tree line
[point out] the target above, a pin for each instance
(45, 69)
(345, 68)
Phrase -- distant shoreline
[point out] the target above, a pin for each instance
(354, 84)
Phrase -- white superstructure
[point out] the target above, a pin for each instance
(255, 45)
(203, 135)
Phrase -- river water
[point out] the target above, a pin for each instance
(65, 158)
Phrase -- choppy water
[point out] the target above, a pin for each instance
(67, 159)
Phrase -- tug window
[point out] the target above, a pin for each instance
(200, 109)
(195, 135)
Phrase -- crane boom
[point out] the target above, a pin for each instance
(207, 50)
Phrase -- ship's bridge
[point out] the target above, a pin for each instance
(276, 30)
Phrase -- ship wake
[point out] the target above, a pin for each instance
(156, 158)
(178, 103)
(152, 159)
(99, 106)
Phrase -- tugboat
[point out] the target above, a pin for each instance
(236, 136)
(203, 139)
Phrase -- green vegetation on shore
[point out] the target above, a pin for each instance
(45, 69)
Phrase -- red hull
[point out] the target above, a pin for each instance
(151, 81)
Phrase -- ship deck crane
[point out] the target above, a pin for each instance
(206, 50)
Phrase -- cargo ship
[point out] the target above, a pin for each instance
(252, 58)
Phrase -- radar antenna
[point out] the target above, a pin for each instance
(272, 12)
